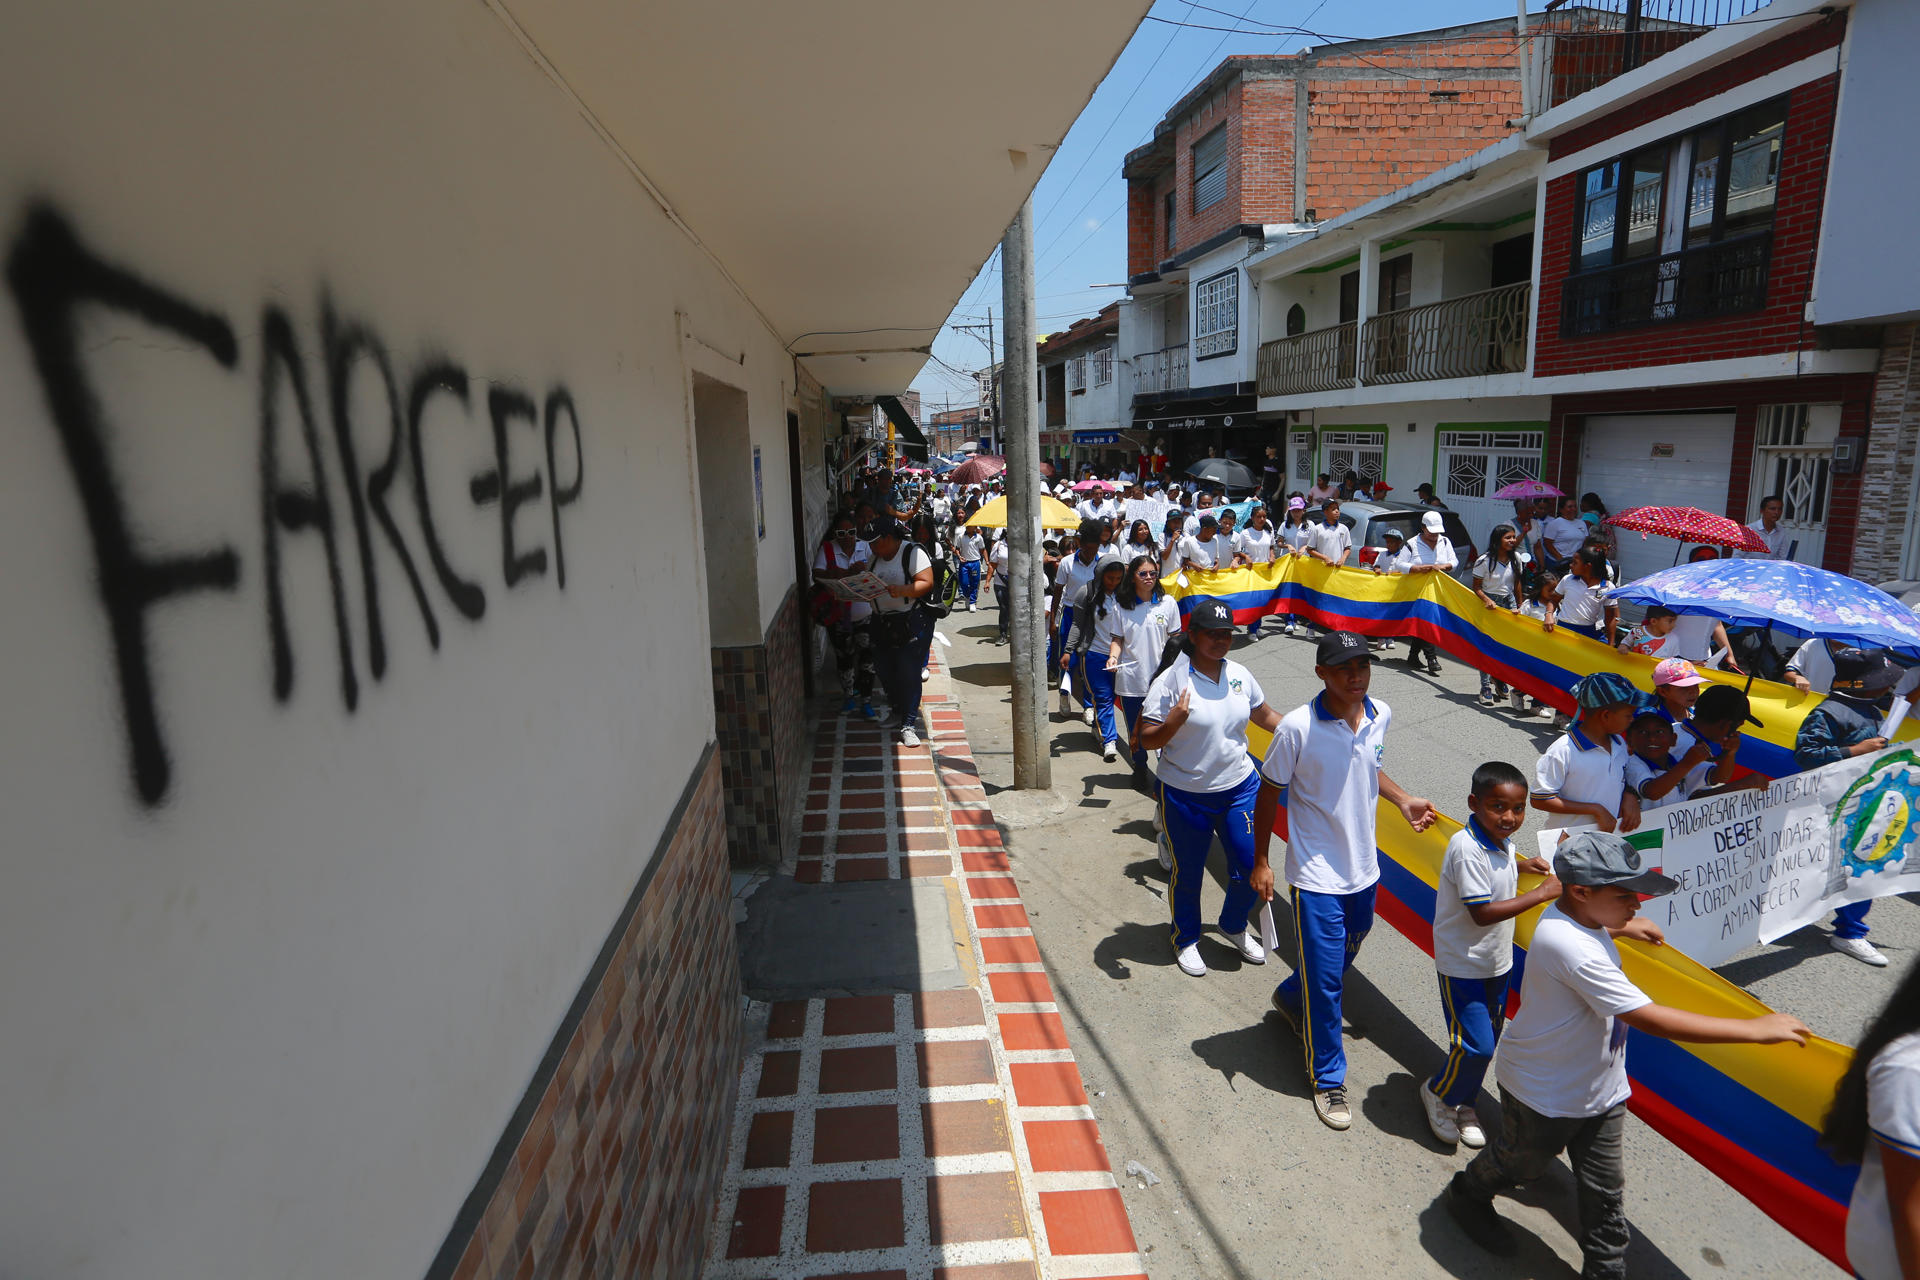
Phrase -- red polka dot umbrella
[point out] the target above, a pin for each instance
(1689, 524)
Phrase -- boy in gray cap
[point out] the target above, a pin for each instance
(1562, 1065)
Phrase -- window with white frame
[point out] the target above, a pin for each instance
(1077, 374)
(1216, 315)
(1103, 366)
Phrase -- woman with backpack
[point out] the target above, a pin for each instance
(902, 622)
(848, 622)
(1135, 636)
(1092, 608)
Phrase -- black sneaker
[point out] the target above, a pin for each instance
(1477, 1218)
(1433, 666)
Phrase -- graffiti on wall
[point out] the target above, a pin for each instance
(312, 481)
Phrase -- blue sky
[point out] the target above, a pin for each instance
(1079, 207)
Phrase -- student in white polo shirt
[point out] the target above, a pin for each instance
(1581, 779)
(1196, 715)
(1205, 549)
(1326, 755)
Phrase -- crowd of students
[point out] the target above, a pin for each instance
(1560, 1063)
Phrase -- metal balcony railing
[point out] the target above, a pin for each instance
(1162, 370)
(1319, 360)
(1695, 284)
(1466, 337)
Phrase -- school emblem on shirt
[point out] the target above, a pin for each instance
(1234, 685)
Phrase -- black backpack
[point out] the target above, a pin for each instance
(946, 584)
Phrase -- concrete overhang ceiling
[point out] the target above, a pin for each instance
(850, 162)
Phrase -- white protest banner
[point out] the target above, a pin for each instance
(1756, 865)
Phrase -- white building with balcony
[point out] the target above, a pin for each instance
(1083, 413)
(1395, 339)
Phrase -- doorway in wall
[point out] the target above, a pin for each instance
(729, 547)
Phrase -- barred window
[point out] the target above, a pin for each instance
(1210, 169)
(1103, 366)
(1216, 308)
(1077, 373)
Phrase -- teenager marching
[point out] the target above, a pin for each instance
(1327, 755)
(1196, 716)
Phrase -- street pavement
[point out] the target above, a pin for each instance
(1203, 1085)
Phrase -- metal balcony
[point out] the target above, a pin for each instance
(1318, 360)
(1467, 337)
(1695, 284)
(1162, 370)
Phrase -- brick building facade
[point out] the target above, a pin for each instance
(1309, 136)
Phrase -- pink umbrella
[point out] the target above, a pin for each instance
(1528, 489)
(978, 469)
(1086, 486)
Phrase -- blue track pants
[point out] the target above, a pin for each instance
(1094, 665)
(1476, 1010)
(1193, 818)
(969, 580)
(1328, 930)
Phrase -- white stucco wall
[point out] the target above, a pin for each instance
(272, 1023)
(1867, 269)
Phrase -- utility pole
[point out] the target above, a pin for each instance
(1020, 437)
(993, 382)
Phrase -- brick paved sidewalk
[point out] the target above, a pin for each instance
(942, 1134)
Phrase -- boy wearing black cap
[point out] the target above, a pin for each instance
(1847, 724)
(1327, 755)
(1562, 1066)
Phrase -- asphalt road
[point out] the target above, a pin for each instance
(1202, 1084)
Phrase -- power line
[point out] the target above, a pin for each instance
(1115, 119)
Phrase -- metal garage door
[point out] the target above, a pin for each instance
(1657, 460)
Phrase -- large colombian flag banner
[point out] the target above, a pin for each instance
(1750, 1113)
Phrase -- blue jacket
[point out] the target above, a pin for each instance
(1831, 728)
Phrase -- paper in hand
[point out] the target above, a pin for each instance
(1896, 716)
(1269, 936)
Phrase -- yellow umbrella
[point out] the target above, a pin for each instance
(1054, 514)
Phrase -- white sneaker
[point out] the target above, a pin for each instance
(1165, 851)
(926, 674)
(1247, 945)
(1111, 753)
(1190, 962)
(1089, 717)
(1066, 703)
(908, 738)
(1467, 1120)
(1860, 949)
(1517, 700)
(1439, 1116)
(972, 607)
(1546, 712)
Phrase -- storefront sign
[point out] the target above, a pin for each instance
(1096, 437)
(1196, 414)
(1756, 865)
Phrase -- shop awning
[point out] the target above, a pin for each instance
(908, 437)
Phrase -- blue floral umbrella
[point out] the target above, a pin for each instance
(1784, 596)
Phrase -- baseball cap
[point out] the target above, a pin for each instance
(1678, 672)
(1296, 504)
(1339, 647)
(1395, 534)
(1724, 702)
(1595, 858)
(882, 527)
(1210, 614)
(1432, 522)
(1864, 671)
(1329, 501)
